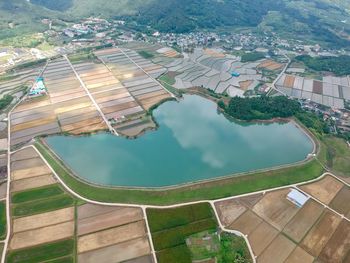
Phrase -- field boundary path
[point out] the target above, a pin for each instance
(137, 65)
(111, 129)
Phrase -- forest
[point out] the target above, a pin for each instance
(340, 66)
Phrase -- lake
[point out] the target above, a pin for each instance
(193, 142)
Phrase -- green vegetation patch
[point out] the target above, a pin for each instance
(2, 220)
(45, 252)
(171, 227)
(5, 101)
(337, 155)
(169, 218)
(253, 56)
(204, 191)
(180, 254)
(42, 206)
(145, 54)
(233, 249)
(340, 66)
(224, 247)
(176, 236)
(36, 194)
(204, 245)
(267, 108)
(261, 108)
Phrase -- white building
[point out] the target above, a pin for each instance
(297, 198)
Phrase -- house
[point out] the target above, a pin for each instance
(297, 198)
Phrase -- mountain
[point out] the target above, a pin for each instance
(320, 20)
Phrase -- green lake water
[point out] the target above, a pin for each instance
(194, 142)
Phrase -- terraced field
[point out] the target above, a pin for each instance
(136, 74)
(331, 91)
(212, 69)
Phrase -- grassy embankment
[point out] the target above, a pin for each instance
(2, 220)
(57, 252)
(337, 156)
(203, 191)
(40, 200)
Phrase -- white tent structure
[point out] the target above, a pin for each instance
(297, 198)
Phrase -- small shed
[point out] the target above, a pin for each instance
(297, 198)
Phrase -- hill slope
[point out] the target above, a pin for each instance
(323, 20)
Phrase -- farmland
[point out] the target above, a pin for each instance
(184, 234)
(119, 88)
(276, 225)
(104, 230)
(213, 70)
(46, 218)
(331, 91)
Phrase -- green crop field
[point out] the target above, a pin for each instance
(61, 251)
(2, 220)
(40, 200)
(171, 227)
(38, 193)
(42, 205)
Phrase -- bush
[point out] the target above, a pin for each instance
(262, 108)
(5, 101)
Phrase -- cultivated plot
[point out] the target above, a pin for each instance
(276, 226)
(112, 234)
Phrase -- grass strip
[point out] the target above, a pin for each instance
(203, 191)
(179, 254)
(36, 194)
(42, 206)
(160, 219)
(177, 235)
(2, 220)
(42, 252)
(61, 260)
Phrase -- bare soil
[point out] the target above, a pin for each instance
(341, 202)
(303, 220)
(42, 235)
(229, 211)
(338, 246)
(42, 220)
(246, 223)
(111, 236)
(30, 172)
(261, 237)
(324, 190)
(33, 182)
(320, 233)
(299, 256)
(117, 253)
(108, 220)
(276, 209)
(278, 251)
